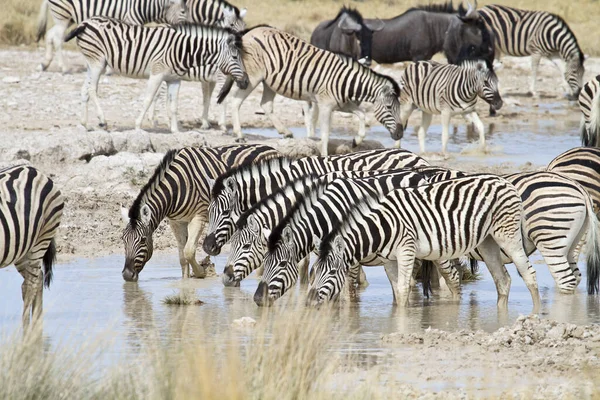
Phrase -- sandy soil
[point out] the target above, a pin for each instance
(100, 171)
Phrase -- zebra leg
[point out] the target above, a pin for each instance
(32, 282)
(445, 131)
(58, 39)
(362, 278)
(173, 95)
(325, 111)
(237, 99)
(405, 111)
(153, 84)
(535, 63)
(307, 109)
(180, 230)
(49, 47)
(151, 111)
(207, 90)
(195, 229)
(473, 117)
(492, 256)
(391, 270)
(405, 257)
(425, 122)
(266, 104)
(95, 72)
(451, 277)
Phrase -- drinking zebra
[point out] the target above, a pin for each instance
(237, 190)
(179, 190)
(291, 67)
(589, 104)
(538, 34)
(162, 53)
(447, 90)
(31, 207)
(431, 222)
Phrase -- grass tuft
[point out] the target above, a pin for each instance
(182, 299)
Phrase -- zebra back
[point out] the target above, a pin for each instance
(589, 104)
(217, 12)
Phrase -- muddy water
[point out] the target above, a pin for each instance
(89, 298)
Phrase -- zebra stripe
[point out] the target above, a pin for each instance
(537, 34)
(31, 207)
(589, 104)
(217, 12)
(237, 190)
(438, 221)
(293, 68)
(581, 164)
(161, 53)
(447, 90)
(179, 190)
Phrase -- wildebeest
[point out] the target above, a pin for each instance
(416, 35)
(348, 34)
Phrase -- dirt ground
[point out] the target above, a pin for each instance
(100, 171)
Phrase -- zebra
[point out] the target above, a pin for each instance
(589, 104)
(438, 221)
(31, 208)
(237, 190)
(447, 90)
(581, 164)
(66, 12)
(179, 191)
(160, 53)
(538, 34)
(293, 68)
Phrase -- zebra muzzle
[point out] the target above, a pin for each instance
(398, 133)
(210, 245)
(228, 277)
(261, 296)
(129, 275)
(243, 82)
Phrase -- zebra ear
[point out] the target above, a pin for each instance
(211, 184)
(125, 214)
(267, 233)
(229, 183)
(287, 235)
(338, 246)
(253, 224)
(243, 13)
(146, 213)
(316, 242)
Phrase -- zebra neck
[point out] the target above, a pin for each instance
(151, 10)
(206, 14)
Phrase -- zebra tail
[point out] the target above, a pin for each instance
(426, 272)
(474, 264)
(42, 21)
(75, 32)
(48, 262)
(594, 129)
(593, 252)
(225, 89)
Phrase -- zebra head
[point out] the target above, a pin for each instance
(487, 82)
(387, 107)
(248, 248)
(330, 270)
(281, 272)
(233, 19)
(574, 75)
(176, 11)
(230, 59)
(137, 237)
(223, 211)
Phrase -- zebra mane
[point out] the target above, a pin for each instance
(229, 5)
(190, 28)
(254, 27)
(260, 168)
(352, 12)
(153, 182)
(355, 64)
(445, 8)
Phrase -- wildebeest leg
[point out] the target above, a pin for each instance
(267, 105)
(153, 84)
(207, 90)
(425, 122)
(535, 63)
(325, 111)
(172, 96)
(181, 234)
(445, 131)
(95, 71)
(492, 256)
(195, 229)
(474, 118)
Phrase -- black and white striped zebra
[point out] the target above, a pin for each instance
(581, 164)
(237, 190)
(218, 13)
(293, 68)
(439, 221)
(66, 12)
(589, 104)
(448, 90)
(31, 207)
(160, 53)
(179, 190)
(538, 34)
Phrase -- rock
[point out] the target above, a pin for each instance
(244, 322)
(556, 333)
(577, 333)
(11, 79)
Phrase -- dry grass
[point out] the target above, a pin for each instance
(182, 299)
(18, 17)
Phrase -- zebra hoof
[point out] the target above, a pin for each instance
(102, 125)
(43, 67)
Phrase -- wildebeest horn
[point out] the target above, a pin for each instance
(469, 9)
(347, 24)
(376, 25)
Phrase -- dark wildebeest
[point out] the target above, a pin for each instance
(347, 34)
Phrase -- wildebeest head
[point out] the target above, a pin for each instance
(468, 37)
(352, 35)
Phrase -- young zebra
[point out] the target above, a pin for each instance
(538, 34)
(237, 190)
(439, 221)
(249, 243)
(31, 207)
(581, 164)
(179, 191)
(217, 13)
(293, 68)
(160, 53)
(447, 90)
(589, 104)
